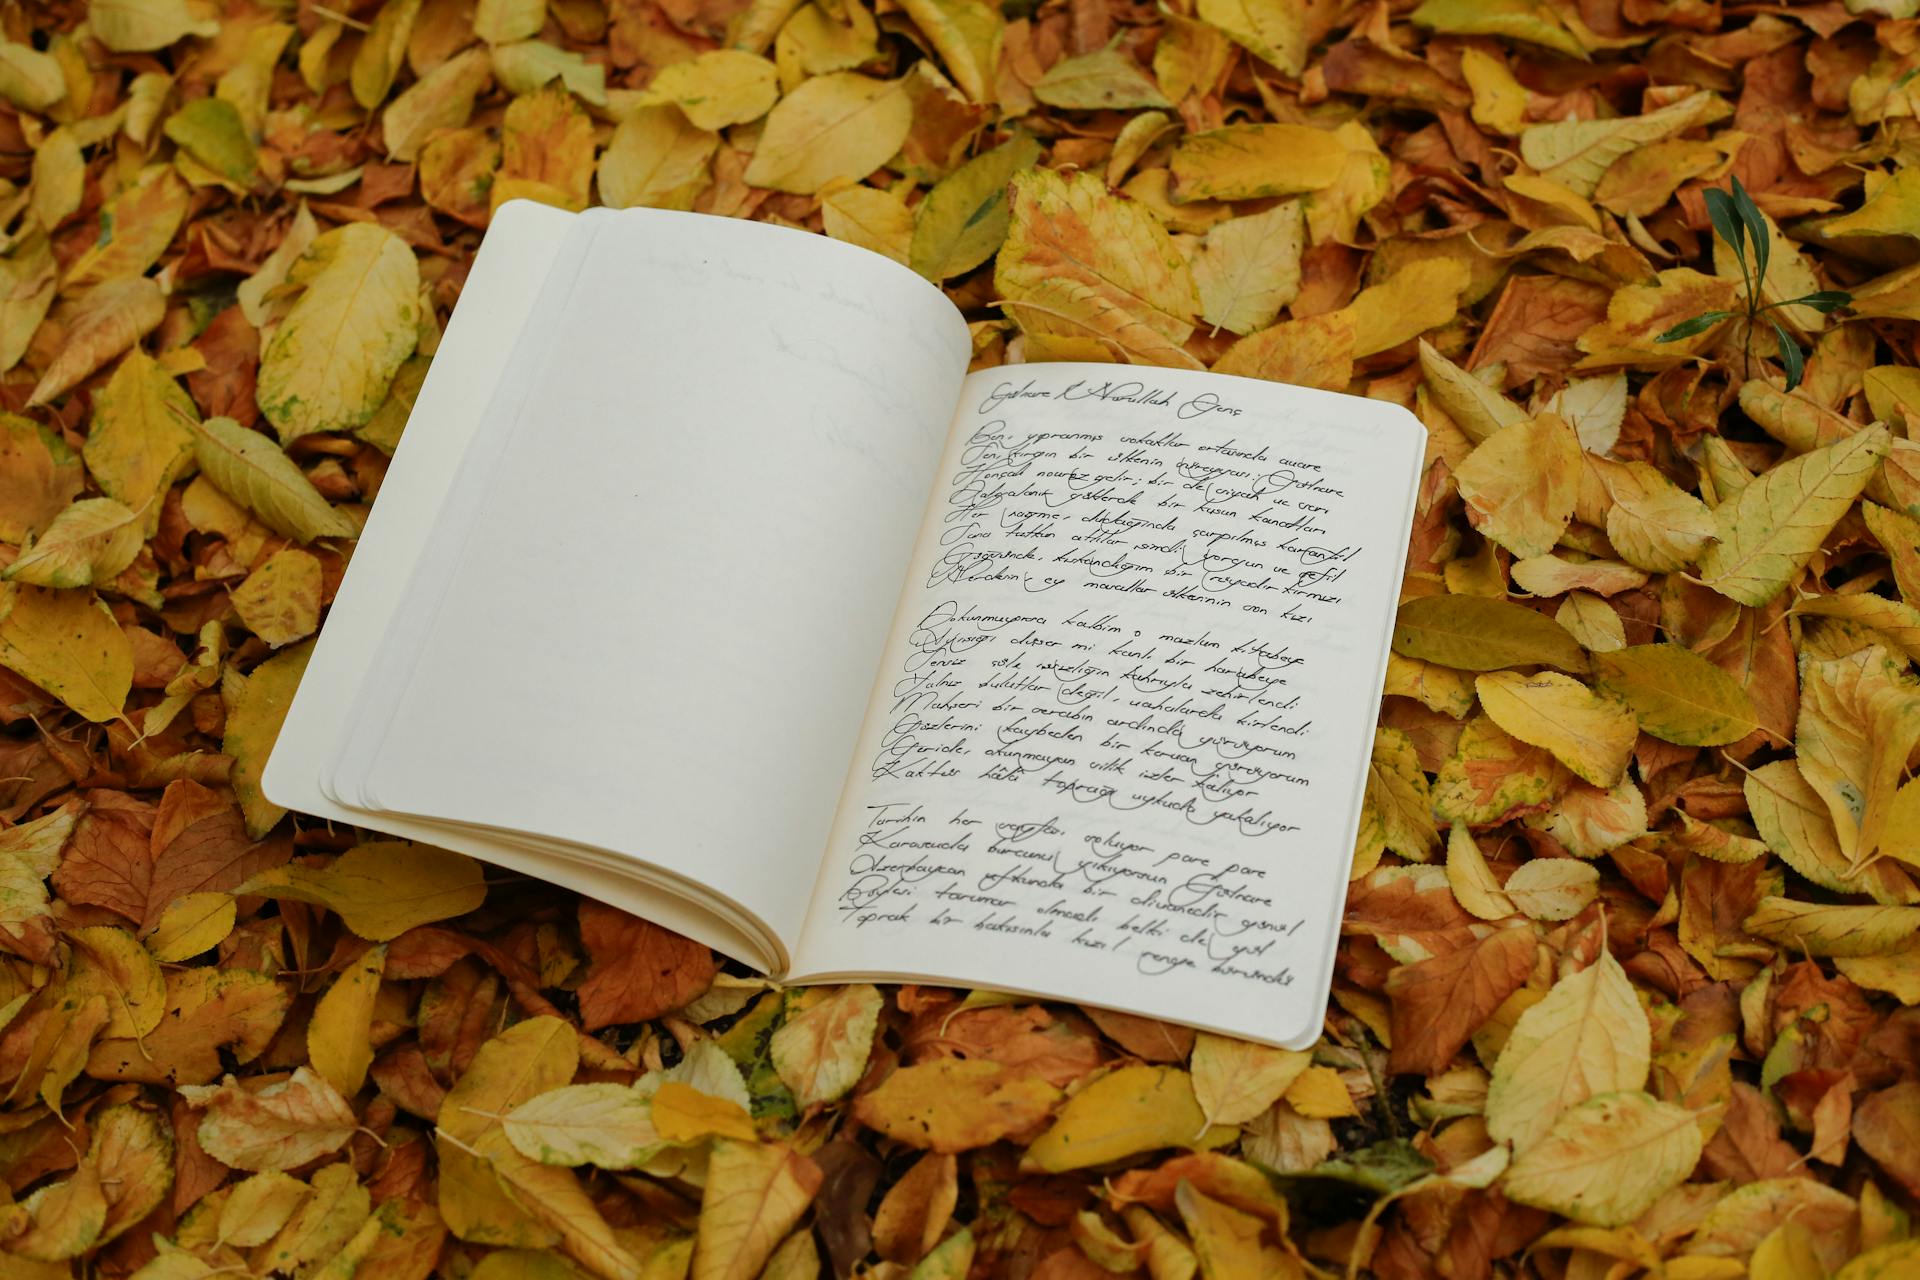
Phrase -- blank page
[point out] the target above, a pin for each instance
(650, 623)
(521, 245)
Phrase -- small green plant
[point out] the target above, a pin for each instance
(1736, 219)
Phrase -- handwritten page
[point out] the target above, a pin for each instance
(1116, 749)
(647, 620)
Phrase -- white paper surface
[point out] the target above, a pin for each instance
(647, 620)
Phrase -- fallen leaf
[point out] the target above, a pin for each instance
(334, 355)
(1608, 1159)
(1589, 1036)
(639, 970)
(952, 1104)
(280, 1126)
(383, 888)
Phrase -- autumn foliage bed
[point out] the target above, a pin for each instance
(1630, 955)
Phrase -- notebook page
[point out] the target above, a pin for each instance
(506, 385)
(521, 244)
(1117, 748)
(656, 633)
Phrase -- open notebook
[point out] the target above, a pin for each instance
(708, 582)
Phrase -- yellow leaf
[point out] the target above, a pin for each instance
(383, 50)
(247, 467)
(133, 1152)
(258, 1207)
(65, 1218)
(339, 1037)
(1235, 1080)
(102, 323)
(1651, 522)
(1476, 408)
(1577, 153)
(1553, 576)
(1592, 736)
(1593, 623)
(210, 133)
(1320, 1094)
(1421, 295)
(657, 159)
(840, 126)
(1637, 314)
(1107, 79)
(683, 1114)
(504, 21)
(140, 26)
(281, 1126)
(1080, 261)
(88, 543)
(1439, 688)
(440, 99)
(527, 65)
(1768, 533)
(1553, 888)
(256, 706)
(1250, 161)
(716, 89)
(1474, 633)
(1677, 694)
(1190, 55)
(29, 79)
(1527, 20)
(39, 475)
(1889, 623)
(1316, 351)
(1787, 1254)
(383, 888)
(69, 644)
(1587, 1037)
(1591, 820)
(59, 178)
(1246, 269)
(609, 1126)
(755, 1193)
(1472, 881)
(1492, 775)
(953, 1104)
(190, 925)
(1822, 929)
(331, 360)
(280, 601)
(873, 219)
(821, 1050)
(1123, 1113)
(1227, 1242)
(964, 219)
(1398, 811)
(1607, 1160)
(524, 1061)
(1794, 821)
(967, 36)
(337, 1209)
(1520, 484)
(1859, 720)
(1282, 32)
(1499, 100)
(111, 962)
(142, 437)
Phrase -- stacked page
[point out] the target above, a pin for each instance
(706, 581)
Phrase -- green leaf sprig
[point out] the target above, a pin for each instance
(1737, 219)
